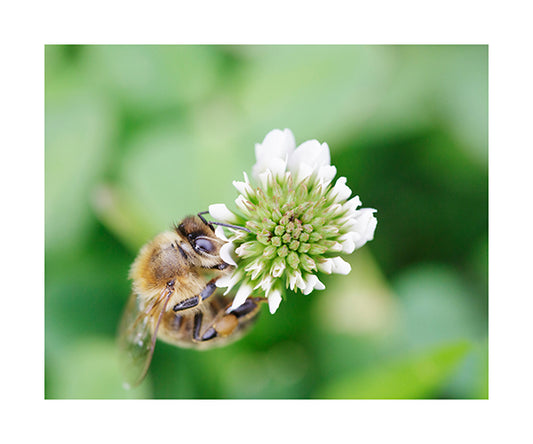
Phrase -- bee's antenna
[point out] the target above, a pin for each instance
(236, 227)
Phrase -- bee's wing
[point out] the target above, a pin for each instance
(136, 339)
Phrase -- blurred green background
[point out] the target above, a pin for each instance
(137, 137)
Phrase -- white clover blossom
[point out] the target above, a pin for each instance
(297, 222)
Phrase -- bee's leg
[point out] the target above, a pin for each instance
(208, 290)
(225, 325)
(187, 303)
(197, 326)
(221, 327)
(249, 306)
(210, 333)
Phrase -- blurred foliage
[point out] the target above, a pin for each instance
(137, 137)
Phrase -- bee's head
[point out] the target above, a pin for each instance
(200, 236)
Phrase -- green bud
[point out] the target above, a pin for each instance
(297, 232)
(328, 243)
(329, 230)
(261, 198)
(317, 222)
(286, 207)
(276, 241)
(248, 249)
(269, 252)
(264, 237)
(276, 215)
(301, 192)
(308, 264)
(294, 245)
(307, 216)
(304, 237)
(286, 238)
(276, 190)
(317, 249)
(302, 208)
(283, 251)
(304, 248)
(287, 216)
(315, 237)
(279, 230)
(268, 224)
(293, 260)
(253, 226)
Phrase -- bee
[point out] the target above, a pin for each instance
(175, 298)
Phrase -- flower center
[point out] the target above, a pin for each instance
(290, 241)
(291, 228)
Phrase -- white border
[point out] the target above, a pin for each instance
(27, 27)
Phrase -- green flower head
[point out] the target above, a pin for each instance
(296, 223)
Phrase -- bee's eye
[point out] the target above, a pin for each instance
(204, 245)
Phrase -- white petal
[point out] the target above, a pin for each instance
(337, 248)
(326, 173)
(347, 242)
(340, 191)
(227, 251)
(243, 187)
(228, 282)
(245, 248)
(276, 165)
(340, 266)
(265, 284)
(273, 152)
(319, 285)
(244, 291)
(241, 202)
(219, 232)
(353, 203)
(296, 280)
(366, 226)
(265, 178)
(256, 268)
(311, 152)
(223, 281)
(278, 268)
(277, 143)
(274, 299)
(312, 283)
(222, 213)
(303, 171)
(326, 266)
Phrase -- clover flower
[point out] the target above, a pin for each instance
(296, 223)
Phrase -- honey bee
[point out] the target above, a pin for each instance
(175, 297)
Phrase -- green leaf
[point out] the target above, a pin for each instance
(415, 377)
